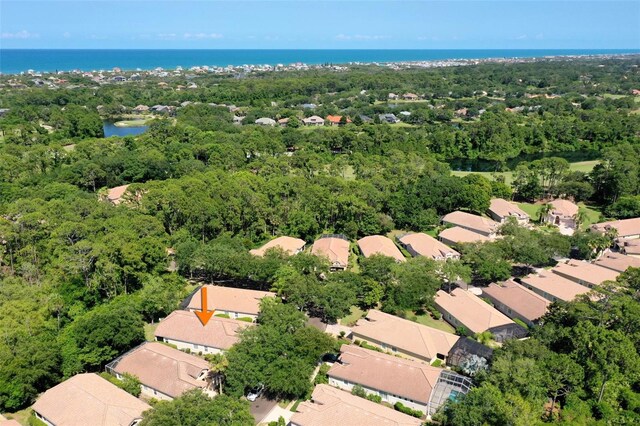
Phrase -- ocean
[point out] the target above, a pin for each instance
(14, 61)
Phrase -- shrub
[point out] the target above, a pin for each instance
(357, 390)
(375, 398)
(321, 377)
(245, 319)
(129, 382)
(462, 331)
(225, 316)
(521, 323)
(437, 363)
(406, 410)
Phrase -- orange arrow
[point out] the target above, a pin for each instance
(204, 315)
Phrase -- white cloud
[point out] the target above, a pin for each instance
(166, 36)
(360, 37)
(201, 36)
(20, 35)
(521, 37)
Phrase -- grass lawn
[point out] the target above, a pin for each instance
(427, 320)
(294, 407)
(530, 209)
(21, 416)
(130, 123)
(591, 216)
(149, 329)
(353, 317)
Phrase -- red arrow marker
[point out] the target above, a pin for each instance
(204, 315)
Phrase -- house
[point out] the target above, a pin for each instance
(392, 96)
(410, 97)
(516, 301)
(553, 287)
(472, 222)
(114, 195)
(394, 379)
(377, 244)
(184, 330)
(141, 108)
(563, 215)
(462, 112)
(405, 113)
(331, 406)
(461, 308)
(458, 235)
(500, 210)
(309, 106)
(291, 246)
(88, 399)
(584, 273)
(629, 247)
(235, 302)
(265, 121)
(421, 244)
(335, 248)
(617, 262)
(627, 229)
(164, 372)
(283, 122)
(314, 120)
(365, 118)
(403, 337)
(237, 120)
(389, 118)
(335, 120)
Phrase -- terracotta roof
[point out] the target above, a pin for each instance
(336, 119)
(471, 221)
(461, 235)
(504, 209)
(230, 299)
(398, 376)
(617, 261)
(377, 244)
(163, 368)
(555, 286)
(115, 194)
(331, 406)
(336, 249)
(88, 399)
(426, 245)
(625, 227)
(473, 312)
(184, 326)
(407, 336)
(584, 271)
(520, 299)
(289, 245)
(564, 208)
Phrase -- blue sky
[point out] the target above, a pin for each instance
(212, 24)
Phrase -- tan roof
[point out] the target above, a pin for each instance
(407, 336)
(230, 299)
(88, 399)
(115, 194)
(586, 272)
(625, 227)
(461, 235)
(330, 406)
(476, 314)
(398, 376)
(426, 245)
(555, 286)
(629, 246)
(504, 208)
(10, 422)
(617, 261)
(289, 245)
(336, 249)
(377, 244)
(313, 119)
(184, 326)
(471, 221)
(518, 298)
(163, 368)
(564, 208)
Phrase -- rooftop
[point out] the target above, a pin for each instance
(471, 221)
(377, 244)
(555, 286)
(470, 310)
(617, 262)
(586, 272)
(426, 245)
(336, 249)
(504, 208)
(230, 299)
(518, 298)
(461, 235)
(625, 227)
(115, 194)
(289, 245)
(564, 208)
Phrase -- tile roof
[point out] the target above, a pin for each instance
(230, 299)
(426, 245)
(519, 299)
(336, 119)
(625, 227)
(115, 194)
(472, 222)
(407, 336)
(336, 249)
(473, 312)
(555, 286)
(10, 422)
(564, 208)
(163, 368)
(462, 235)
(331, 406)
(629, 246)
(584, 271)
(377, 244)
(617, 261)
(289, 245)
(504, 208)
(184, 326)
(88, 399)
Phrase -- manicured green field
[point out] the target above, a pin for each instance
(427, 320)
(582, 166)
(353, 317)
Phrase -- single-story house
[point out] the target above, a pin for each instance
(365, 118)
(392, 96)
(500, 210)
(458, 235)
(265, 121)
(184, 330)
(335, 248)
(403, 337)
(563, 215)
(114, 195)
(481, 225)
(164, 372)
(88, 399)
(516, 301)
(291, 246)
(554, 287)
(378, 244)
(283, 122)
(389, 118)
(410, 97)
(584, 273)
(629, 247)
(625, 228)
(309, 106)
(421, 244)
(335, 120)
(237, 119)
(314, 120)
(617, 261)
(331, 406)
(394, 379)
(235, 302)
(141, 108)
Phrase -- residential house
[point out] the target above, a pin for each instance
(403, 337)
(629, 247)
(472, 222)
(563, 215)
(553, 287)
(365, 118)
(283, 122)
(500, 210)
(617, 261)
(309, 106)
(265, 121)
(377, 244)
(626, 229)
(389, 118)
(458, 235)
(335, 248)
(88, 399)
(421, 244)
(410, 97)
(394, 379)
(392, 96)
(314, 120)
(114, 195)
(462, 112)
(516, 301)
(584, 273)
(291, 246)
(164, 372)
(335, 120)
(237, 120)
(141, 109)
(184, 330)
(331, 406)
(234, 302)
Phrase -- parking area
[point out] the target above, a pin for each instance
(261, 407)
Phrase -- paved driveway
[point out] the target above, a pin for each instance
(261, 407)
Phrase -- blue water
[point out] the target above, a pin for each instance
(18, 60)
(111, 130)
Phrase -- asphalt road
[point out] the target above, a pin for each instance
(261, 407)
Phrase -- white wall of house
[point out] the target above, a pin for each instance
(43, 419)
(193, 347)
(150, 392)
(386, 397)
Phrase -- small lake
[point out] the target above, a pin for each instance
(112, 130)
(479, 165)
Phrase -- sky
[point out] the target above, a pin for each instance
(306, 24)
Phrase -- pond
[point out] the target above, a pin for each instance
(479, 165)
(111, 129)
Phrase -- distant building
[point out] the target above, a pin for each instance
(335, 248)
(114, 195)
(410, 97)
(314, 120)
(563, 214)
(500, 210)
(265, 121)
(378, 244)
(420, 244)
(234, 302)
(627, 229)
(392, 96)
(458, 235)
(289, 245)
(516, 301)
(472, 222)
(584, 273)
(389, 118)
(554, 287)
(335, 120)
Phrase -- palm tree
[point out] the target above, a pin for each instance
(579, 218)
(219, 364)
(544, 211)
